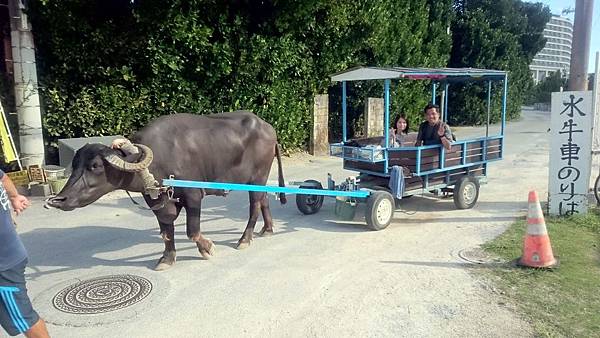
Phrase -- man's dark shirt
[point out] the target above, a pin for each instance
(429, 134)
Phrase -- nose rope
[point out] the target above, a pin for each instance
(169, 192)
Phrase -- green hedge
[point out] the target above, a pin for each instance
(109, 66)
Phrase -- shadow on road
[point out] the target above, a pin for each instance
(89, 245)
(460, 219)
(234, 208)
(431, 204)
(83, 247)
(449, 265)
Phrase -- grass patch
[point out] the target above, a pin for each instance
(564, 301)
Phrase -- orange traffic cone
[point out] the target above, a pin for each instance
(537, 252)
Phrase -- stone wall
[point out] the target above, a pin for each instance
(319, 140)
(374, 117)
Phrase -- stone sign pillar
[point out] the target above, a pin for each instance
(570, 152)
(319, 138)
(374, 117)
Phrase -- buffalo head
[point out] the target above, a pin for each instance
(96, 171)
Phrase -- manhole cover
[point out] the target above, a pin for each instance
(476, 255)
(103, 294)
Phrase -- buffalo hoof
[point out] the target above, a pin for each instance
(207, 249)
(242, 244)
(265, 232)
(164, 263)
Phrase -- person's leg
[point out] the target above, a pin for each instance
(16, 312)
(12, 320)
(38, 330)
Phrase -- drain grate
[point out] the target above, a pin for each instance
(102, 294)
(476, 255)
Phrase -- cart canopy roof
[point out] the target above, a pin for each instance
(437, 74)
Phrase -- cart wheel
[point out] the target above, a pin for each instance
(466, 192)
(380, 209)
(310, 204)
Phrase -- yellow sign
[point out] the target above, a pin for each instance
(8, 148)
(19, 177)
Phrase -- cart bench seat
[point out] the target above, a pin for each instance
(419, 160)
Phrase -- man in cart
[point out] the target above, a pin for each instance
(433, 130)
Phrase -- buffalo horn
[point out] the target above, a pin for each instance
(121, 164)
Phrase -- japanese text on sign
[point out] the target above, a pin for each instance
(570, 152)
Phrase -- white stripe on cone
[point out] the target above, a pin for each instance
(536, 216)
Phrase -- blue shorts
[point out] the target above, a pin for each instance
(16, 313)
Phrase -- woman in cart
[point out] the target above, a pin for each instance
(398, 131)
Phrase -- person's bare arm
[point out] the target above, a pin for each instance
(446, 142)
(391, 137)
(442, 134)
(18, 201)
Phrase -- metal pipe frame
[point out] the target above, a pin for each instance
(262, 188)
(344, 112)
(386, 98)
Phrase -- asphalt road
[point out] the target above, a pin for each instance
(316, 276)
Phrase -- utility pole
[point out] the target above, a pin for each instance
(596, 105)
(580, 51)
(27, 100)
(596, 127)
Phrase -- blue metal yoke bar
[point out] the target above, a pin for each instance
(263, 188)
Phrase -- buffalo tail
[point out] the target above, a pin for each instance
(282, 197)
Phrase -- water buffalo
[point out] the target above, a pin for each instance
(235, 147)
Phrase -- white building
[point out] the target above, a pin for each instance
(556, 54)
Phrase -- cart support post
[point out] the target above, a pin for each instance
(489, 104)
(504, 106)
(433, 92)
(442, 157)
(386, 97)
(505, 94)
(445, 117)
(487, 126)
(418, 161)
(344, 139)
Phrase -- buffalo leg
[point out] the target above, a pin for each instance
(166, 219)
(205, 245)
(167, 231)
(267, 229)
(254, 209)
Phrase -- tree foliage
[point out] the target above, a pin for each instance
(108, 67)
(542, 92)
(495, 34)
